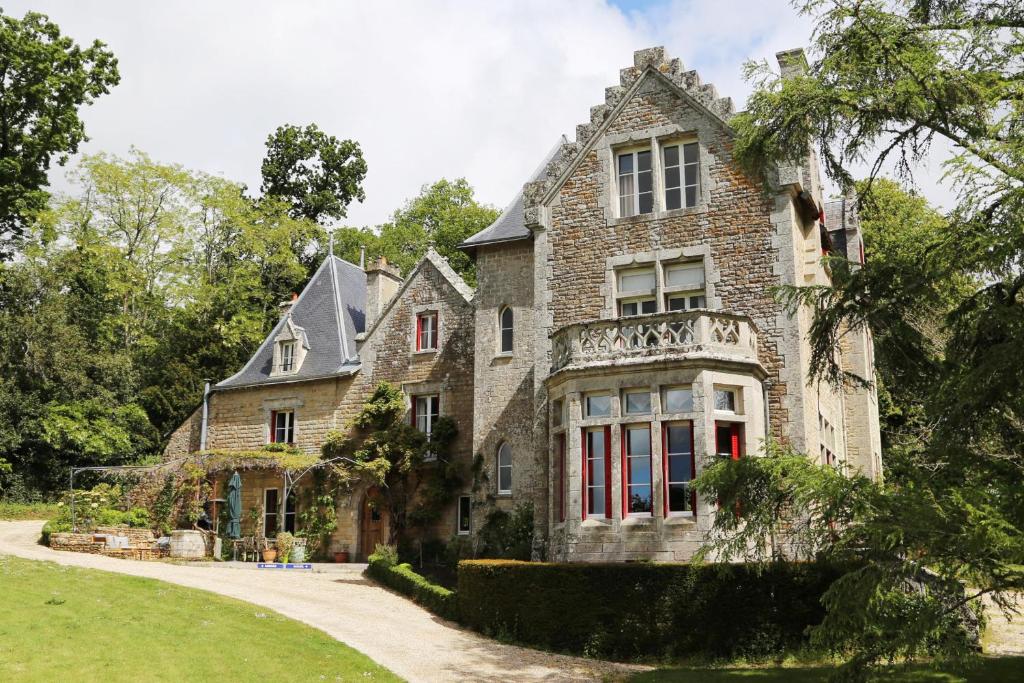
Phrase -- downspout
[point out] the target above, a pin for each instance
(764, 400)
(206, 417)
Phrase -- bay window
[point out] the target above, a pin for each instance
(597, 469)
(638, 498)
(677, 400)
(679, 467)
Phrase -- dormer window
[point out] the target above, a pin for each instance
(287, 356)
(636, 183)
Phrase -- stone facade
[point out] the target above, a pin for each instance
(725, 368)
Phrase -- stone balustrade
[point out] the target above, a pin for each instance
(642, 338)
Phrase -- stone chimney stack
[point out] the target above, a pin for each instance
(286, 306)
(792, 62)
(382, 283)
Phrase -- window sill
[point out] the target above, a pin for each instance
(596, 523)
(505, 355)
(424, 352)
(638, 520)
(504, 494)
(462, 533)
(678, 519)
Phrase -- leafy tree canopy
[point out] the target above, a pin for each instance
(45, 77)
(317, 174)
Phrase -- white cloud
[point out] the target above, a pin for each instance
(430, 89)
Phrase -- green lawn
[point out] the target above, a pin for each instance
(989, 670)
(28, 510)
(64, 623)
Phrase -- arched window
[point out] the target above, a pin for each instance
(505, 323)
(504, 468)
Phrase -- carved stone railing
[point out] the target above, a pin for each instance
(713, 334)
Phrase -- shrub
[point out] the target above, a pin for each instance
(400, 577)
(507, 535)
(634, 610)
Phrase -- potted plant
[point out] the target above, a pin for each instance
(341, 555)
(284, 542)
(269, 551)
(299, 549)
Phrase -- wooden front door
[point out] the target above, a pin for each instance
(373, 525)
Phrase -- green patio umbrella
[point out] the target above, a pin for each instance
(235, 506)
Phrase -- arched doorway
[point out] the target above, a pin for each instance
(374, 523)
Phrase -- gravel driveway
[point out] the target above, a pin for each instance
(396, 633)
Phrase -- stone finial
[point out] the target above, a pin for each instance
(792, 62)
(651, 56)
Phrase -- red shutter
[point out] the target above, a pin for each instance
(583, 450)
(623, 434)
(608, 471)
(419, 331)
(273, 426)
(735, 442)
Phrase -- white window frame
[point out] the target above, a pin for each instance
(469, 516)
(288, 356)
(684, 291)
(288, 428)
(637, 296)
(683, 186)
(426, 417)
(634, 176)
(504, 450)
(432, 331)
(502, 351)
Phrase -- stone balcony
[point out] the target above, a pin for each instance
(634, 340)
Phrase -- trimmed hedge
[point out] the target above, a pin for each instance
(642, 610)
(402, 578)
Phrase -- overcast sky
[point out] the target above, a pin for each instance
(429, 88)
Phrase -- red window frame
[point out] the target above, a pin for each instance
(626, 468)
(420, 317)
(736, 442)
(664, 466)
(607, 471)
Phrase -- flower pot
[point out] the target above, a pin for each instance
(270, 555)
(298, 554)
(341, 557)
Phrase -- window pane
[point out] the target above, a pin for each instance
(678, 498)
(690, 174)
(649, 306)
(464, 504)
(677, 303)
(505, 479)
(725, 399)
(697, 302)
(672, 156)
(639, 441)
(636, 280)
(673, 199)
(599, 406)
(646, 201)
(625, 164)
(689, 275)
(643, 161)
(690, 152)
(691, 196)
(506, 340)
(638, 452)
(672, 177)
(678, 401)
(723, 440)
(638, 402)
(630, 308)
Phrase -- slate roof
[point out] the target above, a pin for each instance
(510, 225)
(331, 310)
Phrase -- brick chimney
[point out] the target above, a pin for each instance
(286, 306)
(382, 283)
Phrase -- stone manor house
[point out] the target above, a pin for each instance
(623, 333)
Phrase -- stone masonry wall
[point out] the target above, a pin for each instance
(504, 390)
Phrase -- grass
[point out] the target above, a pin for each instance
(987, 670)
(65, 623)
(14, 511)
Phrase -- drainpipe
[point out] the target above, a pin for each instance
(764, 400)
(206, 417)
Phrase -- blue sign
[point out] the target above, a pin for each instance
(278, 565)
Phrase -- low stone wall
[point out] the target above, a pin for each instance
(143, 544)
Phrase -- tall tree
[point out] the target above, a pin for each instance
(889, 77)
(443, 216)
(45, 77)
(316, 173)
